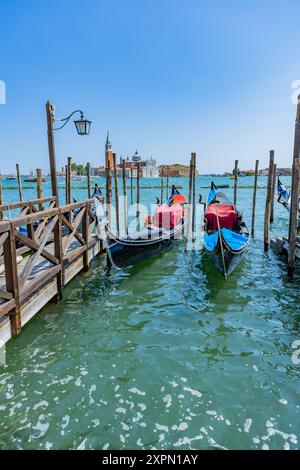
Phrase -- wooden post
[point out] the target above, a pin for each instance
(296, 151)
(1, 197)
(88, 174)
(236, 164)
(39, 186)
(162, 186)
(51, 146)
(194, 198)
(116, 194)
(69, 180)
(167, 190)
(85, 236)
(12, 280)
(294, 217)
(19, 182)
(254, 198)
(273, 193)
(66, 183)
(190, 180)
(268, 201)
(58, 252)
(125, 196)
(131, 185)
(138, 196)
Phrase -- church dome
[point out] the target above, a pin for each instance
(136, 157)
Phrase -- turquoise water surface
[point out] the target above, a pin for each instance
(165, 355)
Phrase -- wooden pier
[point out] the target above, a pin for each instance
(37, 262)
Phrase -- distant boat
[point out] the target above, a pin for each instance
(9, 178)
(227, 238)
(34, 180)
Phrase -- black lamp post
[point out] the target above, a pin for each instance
(82, 126)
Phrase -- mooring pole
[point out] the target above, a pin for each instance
(39, 186)
(254, 198)
(125, 196)
(294, 217)
(69, 180)
(296, 151)
(51, 146)
(162, 185)
(138, 196)
(66, 183)
(194, 198)
(268, 201)
(167, 190)
(116, 194)
(273, 193)
(190, 180)
(19, 182)
(131, 185)
(88, 174)
(236, 164)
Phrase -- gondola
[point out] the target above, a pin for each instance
(227, 238)
(159, 234)
(284, 198)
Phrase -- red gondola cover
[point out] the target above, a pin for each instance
(167, 216)
(227, 216)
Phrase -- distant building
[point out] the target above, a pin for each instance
(176, 170)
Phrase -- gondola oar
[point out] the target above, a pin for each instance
(221, 243)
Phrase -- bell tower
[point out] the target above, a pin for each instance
(108, 152)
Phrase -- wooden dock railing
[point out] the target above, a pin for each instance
(53, 239)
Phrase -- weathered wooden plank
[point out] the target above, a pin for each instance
(38, 282)
(33, 258)
(11, 279)
(7, 307)
(69, 238)
(35, 246)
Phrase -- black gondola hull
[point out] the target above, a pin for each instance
(231, 259)
(123, 254)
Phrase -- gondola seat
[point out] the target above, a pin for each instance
(226, 213)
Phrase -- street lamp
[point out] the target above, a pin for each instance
(82, 126)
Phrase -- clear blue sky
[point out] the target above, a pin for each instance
(167, 77)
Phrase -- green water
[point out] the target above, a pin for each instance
(165, 355)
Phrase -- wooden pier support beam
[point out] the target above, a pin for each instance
(268, 201)
(254, 198)
(236, 164)
(11, 279)
(116, 194)
(19, 182)
(85, 236)
(294, 217)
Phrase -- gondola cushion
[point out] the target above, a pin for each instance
(226, 213)
(167, 216)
